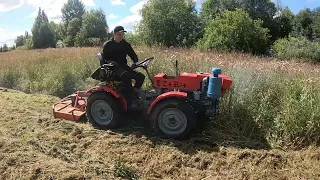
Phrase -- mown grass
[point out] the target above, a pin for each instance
(272, 103)
(33, 145)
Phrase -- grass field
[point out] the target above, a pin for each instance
(273, 105)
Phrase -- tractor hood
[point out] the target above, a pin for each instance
(187, 81)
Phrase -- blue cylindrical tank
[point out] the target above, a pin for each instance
(214, 84)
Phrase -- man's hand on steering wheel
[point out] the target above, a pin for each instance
(142, 64)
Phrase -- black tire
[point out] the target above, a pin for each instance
(183, 110)
(108, 103)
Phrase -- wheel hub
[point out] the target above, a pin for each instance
(172, 121)
(102, 112)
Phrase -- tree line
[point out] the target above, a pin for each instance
(78, 27)
(257, 27)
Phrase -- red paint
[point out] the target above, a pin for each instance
(65, 110)
(166, 95)
(187, 81)
(113, 92)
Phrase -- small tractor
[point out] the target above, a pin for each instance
(171, 107)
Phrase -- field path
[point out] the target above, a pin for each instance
(34, 145)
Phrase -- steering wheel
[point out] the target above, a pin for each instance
(144, 63)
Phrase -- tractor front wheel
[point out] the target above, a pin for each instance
(103, 110)
(173, 118)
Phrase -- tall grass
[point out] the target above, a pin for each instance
(274, 101)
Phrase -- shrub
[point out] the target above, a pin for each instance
(297, 48)
(235, 30)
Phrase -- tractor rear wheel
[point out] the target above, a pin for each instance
(173, 118)
(103, 110)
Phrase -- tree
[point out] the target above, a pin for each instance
(316, 22)
(72, 31)
(284, 23)
(211, 9)
(170, 23)
(4, 48)
(56, 30)
(72, 13)
(42, 34)
(235, 30)
(94, 26)
(303, 23)
(21, 40)
(258, 9)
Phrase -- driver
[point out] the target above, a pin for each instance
(116, 50)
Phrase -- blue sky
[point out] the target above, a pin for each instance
(17, 16)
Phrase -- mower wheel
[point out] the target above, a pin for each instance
(173, 118)
(103, 110)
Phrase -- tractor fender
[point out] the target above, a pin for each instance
(172, 94)
(111, 91)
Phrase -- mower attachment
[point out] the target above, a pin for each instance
(71, 107)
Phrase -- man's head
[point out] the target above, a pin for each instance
(118, 33)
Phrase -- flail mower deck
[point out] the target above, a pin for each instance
(71, 107)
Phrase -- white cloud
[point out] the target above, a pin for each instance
(52, 7)
(117, 2)
(113, 16)
(137, 7)
(8, 36)
(128, 22)
(9, 5)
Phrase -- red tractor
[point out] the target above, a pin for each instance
(171, 107)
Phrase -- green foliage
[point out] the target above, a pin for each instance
(72, 13)
(284, 23)
(123, 171)
(42, 36)
(297, 48)
(9, 78)
(94, 27)
(170, 23)
(259, 9)
(235, 30)
(22, 39)
(211, 9)
(316, 22)
(60, 44)
(4, 48)
(72, 30)
(303, 23)
(134, 38)
(56, 30)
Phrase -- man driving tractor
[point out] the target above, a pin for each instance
(116, 50)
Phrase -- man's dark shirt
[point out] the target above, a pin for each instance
(113, 51)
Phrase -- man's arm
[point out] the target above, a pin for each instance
(132, 54)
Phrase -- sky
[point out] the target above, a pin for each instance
(17, 16)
